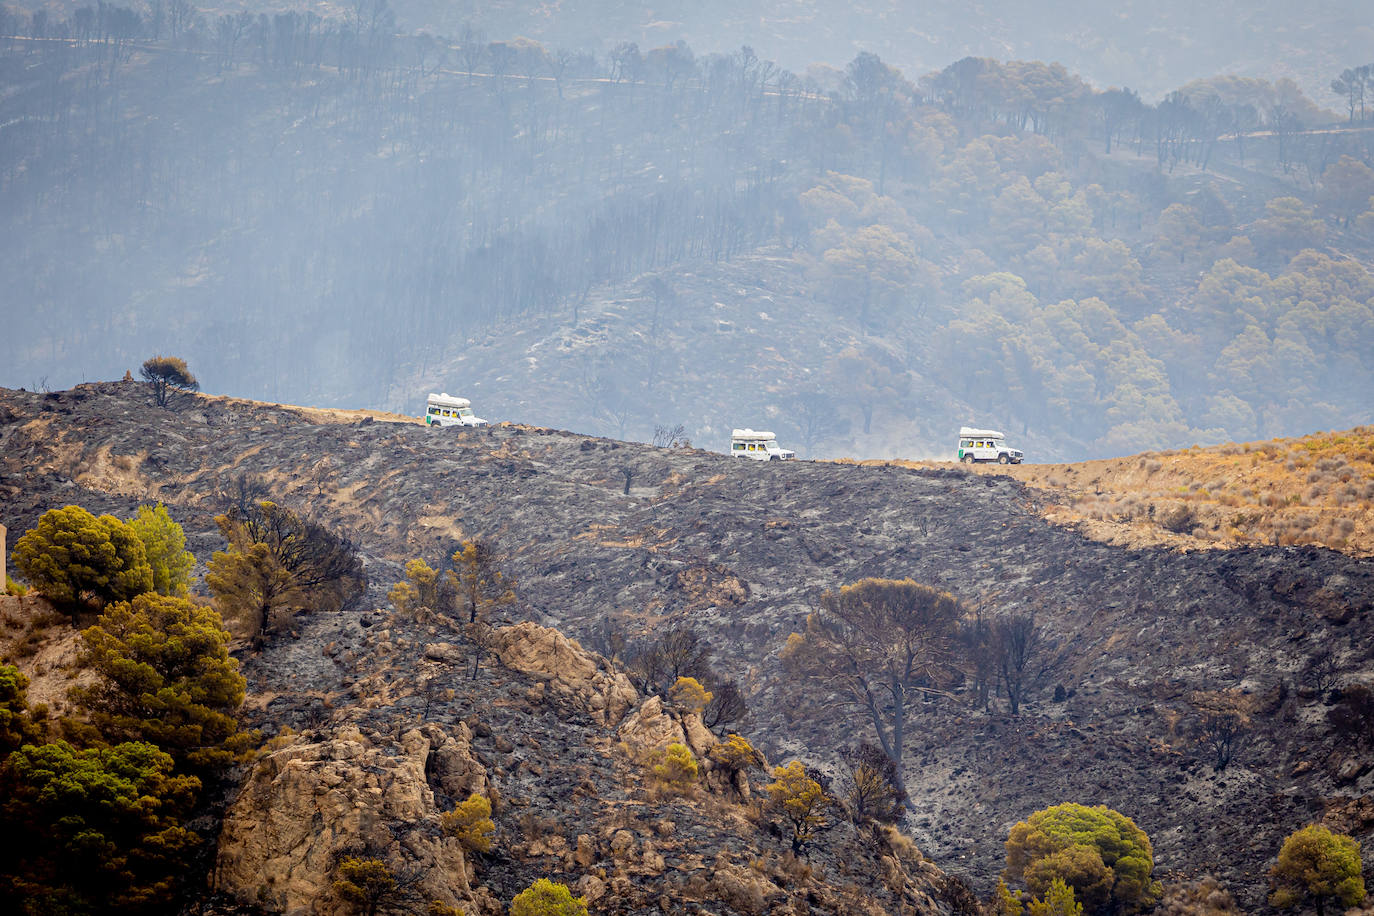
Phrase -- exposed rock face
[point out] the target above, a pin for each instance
(649, 729)
(570, 670)
(323, 796)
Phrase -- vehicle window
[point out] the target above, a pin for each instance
(738, 446)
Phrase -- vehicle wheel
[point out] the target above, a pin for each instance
(773, 458)
(969, 459)
(1003, 459)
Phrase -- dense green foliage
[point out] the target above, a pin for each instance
(91, 831)
(166, 678)
(72, 557)
(1098, 852)
(164, 544)
(1319, 866)
(16, 724)
(547, 898)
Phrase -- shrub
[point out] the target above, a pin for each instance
(1318, 865)
(547, 898)
(14, 588)
(735, 753)
(1206, 897)
(689, 695)
(16, 725)
(365, 883)
(677, 768)
(470, 823)
(1100, 853)
(419, 589)
(801, 800)
(72, 556)
(1058, 901)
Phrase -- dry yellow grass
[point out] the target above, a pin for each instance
(1318, 489)
(322, 414)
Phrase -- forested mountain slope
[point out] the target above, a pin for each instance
(1137, 646)
(325, 211)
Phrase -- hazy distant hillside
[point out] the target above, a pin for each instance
(1150, 47)
(324, 210)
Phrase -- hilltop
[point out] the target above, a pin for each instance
(1316, 489)
(1138, 639)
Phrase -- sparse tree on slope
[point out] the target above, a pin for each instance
(883, 643)
(168, 375)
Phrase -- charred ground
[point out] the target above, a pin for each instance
(741, 551)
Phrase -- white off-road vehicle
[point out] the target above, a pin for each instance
(985, 445)
(446, 410)
(759, 445)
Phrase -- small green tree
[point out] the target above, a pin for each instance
(365, 883)
(166, 677)
(73, 557)
(547, 898)
(1058, 901)
(1004, 902)
(1098, 852)
(481, 587)
(1317, 865)
(470, 823)
(689, 696)
(801, 800)
(419, 589)
(677, 768)
(168, 375)
(164, 543)
(93, 831)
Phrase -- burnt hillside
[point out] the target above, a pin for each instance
(742, 551)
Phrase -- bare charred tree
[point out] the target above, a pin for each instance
(1017, 639)
(883, 645)
(1322, 671)
(671, 437)
(875, 792)
(979, 656)
(610, 639)
(1225, 733)
(727, 705)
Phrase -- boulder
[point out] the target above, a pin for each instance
(568, 669)
(326, 795)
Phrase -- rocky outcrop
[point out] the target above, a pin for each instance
(321, 797)
(649, 729)
(569, 670)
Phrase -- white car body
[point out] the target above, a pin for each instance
(760, 445)
(977, 445)
(446, 410)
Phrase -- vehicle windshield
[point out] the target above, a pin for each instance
(464, 411)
